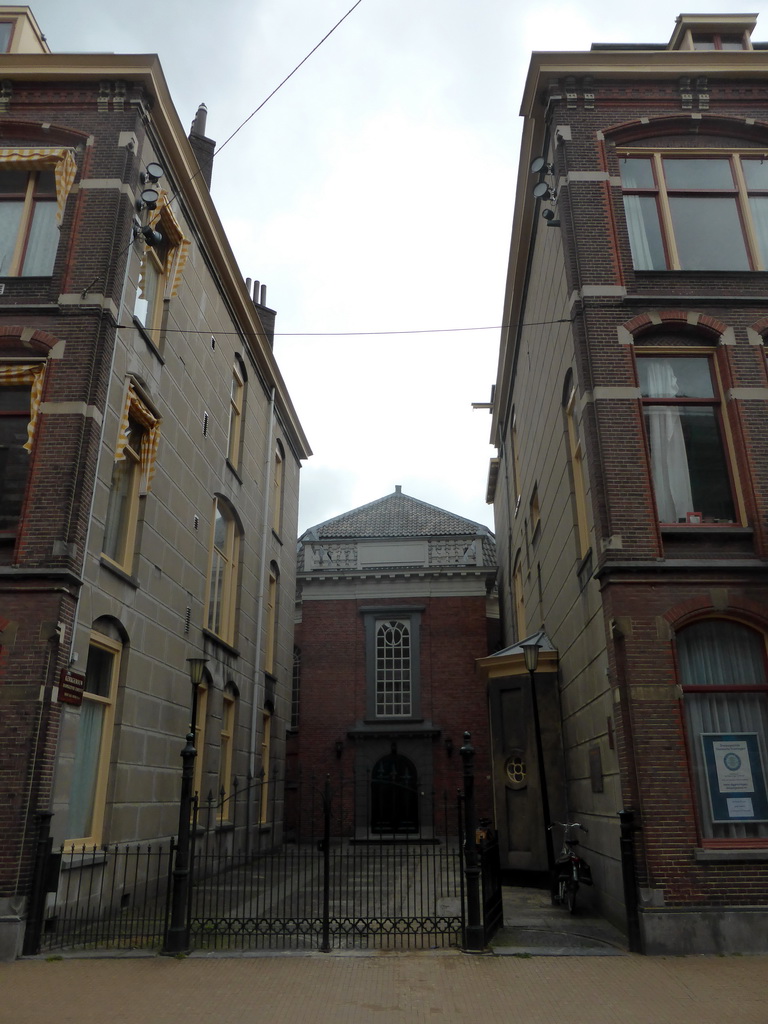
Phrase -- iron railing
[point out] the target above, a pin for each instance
(309, 862)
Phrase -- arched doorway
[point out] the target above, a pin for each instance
(394, 796)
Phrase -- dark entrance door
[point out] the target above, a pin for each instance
(394, 796)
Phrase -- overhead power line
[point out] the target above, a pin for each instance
(287, 77)
(366, 334)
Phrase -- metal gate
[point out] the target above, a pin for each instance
(329, 881)
(303, 863)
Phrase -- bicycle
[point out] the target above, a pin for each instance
(570, 868)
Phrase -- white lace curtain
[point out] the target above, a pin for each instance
(669, 459)
(725, 655)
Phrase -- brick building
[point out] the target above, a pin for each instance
(396, 601)
(149, 466)
(631, 484)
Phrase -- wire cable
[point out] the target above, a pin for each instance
(364, 334)
(287, 77)
(314, 49)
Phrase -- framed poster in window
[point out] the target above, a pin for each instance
(735, 777)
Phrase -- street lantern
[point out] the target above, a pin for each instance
(177, 939)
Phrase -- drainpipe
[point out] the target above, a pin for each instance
(256, 688)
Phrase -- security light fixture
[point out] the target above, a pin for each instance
(540, 164)
(151, 237)
(154, 173)
(149, 198)
(543, 191)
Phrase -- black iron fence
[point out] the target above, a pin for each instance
(332, 882)
(309, 862)
(115, 897)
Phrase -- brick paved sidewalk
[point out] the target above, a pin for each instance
(415, 988)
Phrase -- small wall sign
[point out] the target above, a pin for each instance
(71, 687)
(735, 777)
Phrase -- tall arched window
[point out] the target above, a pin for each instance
(723, 673)
(393, 669)
(222, 576)
(93, 745)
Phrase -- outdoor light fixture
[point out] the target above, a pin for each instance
(154, 172)
(339, 747)
(196, 670)
(544, 191)
(196, 673)
(149, 198)
(540, 164)
(530, 649)
(153, 239)
(448, 746)
(177, 937)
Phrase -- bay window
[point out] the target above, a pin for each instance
(681, 411)
(703, 212)
(722, 666)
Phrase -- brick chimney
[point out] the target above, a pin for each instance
(203, 146)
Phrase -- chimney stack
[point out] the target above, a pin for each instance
(202, 146)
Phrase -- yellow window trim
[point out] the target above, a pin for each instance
(60, 161)
(135, 407)
(32, 374)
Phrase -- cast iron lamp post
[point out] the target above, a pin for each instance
(531, 648)
(177, 936)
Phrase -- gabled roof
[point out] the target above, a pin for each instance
(395, 515)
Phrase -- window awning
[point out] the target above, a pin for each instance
(60, 161)
(138, 410)
(164, 218)
(31, 374)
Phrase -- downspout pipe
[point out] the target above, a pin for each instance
(256, 689)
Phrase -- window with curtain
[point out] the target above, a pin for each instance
(34, 185)
(222, 573)
(703, 212)
(722, 667)
(132, 472)
(681, 410)
(90, 769)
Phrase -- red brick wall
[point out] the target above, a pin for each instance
(333, 685)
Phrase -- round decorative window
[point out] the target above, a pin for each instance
(516, 769)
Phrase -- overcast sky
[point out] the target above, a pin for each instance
(373, 193)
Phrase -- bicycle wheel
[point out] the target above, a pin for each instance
(570, 895)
